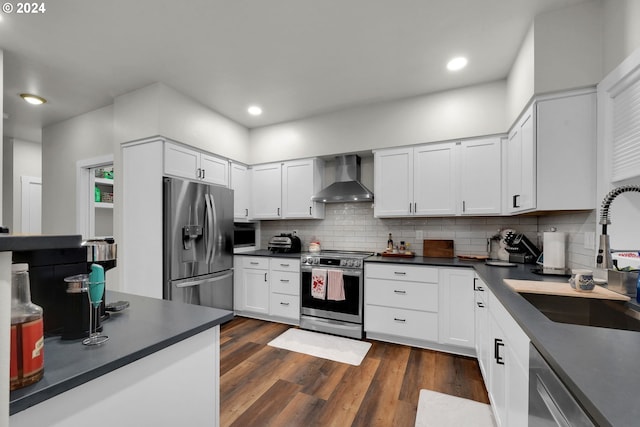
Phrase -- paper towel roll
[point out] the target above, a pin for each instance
(554, 250)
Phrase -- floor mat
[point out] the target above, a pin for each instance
(339, 349)
(442, 410)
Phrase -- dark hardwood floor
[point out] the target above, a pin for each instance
(267, 386)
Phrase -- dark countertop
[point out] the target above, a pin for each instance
(265, 252)
(147, 326)
(9, 242)
(596, 364)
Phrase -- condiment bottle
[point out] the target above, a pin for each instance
(390, 243)
(27, 333)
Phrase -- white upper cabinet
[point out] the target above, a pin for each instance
(241, 186)
(301, 179)
(266, 191)
(435, 179)
(188, 163)
(284, 190)
(480, 176)
(551, 155)
(520, 167)
(393, 181)
(439, 179)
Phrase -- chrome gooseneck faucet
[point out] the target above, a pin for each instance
(603, 259)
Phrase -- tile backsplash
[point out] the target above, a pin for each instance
(351, 226)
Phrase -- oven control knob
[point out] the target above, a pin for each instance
(357, 263)
(316, 260)
(348, 263)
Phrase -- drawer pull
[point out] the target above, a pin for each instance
(400, 273)
(399, 320)
(284, 280)
(481, 305)
(284, 265)
(254, 263)
(399, 292)
(286, 304)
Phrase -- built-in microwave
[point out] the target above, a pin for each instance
(246, 236)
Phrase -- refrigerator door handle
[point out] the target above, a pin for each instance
(207, 280)
(209, 233)
(214, 226)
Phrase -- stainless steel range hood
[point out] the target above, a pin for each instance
(347, 187)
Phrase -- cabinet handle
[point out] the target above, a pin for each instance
(198, 172)
(278, 212)
(203, 173)
(284, 280)
(246, 212)
(284, 265)
(265, 277)
(254, 263)
(399, 320)
(516, 202)
(399, 273)
(284, 303)
(464, 206)
(310, 211)
(481, 305)
(409, 207)
(415, 207)
(497, 343)
(400, 292)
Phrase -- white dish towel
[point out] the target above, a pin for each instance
(335, 285)
(319, 283)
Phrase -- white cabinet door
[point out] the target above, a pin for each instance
(521, 162)
(434, 179)
(457, 301)
(240, 183)
(393, 181)
(480, 176)
(566, 129)
(214, 170)
(181, 161)
(301, 180)
(266, 191)
(255, 290)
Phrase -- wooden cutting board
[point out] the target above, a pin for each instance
(437, 248)
(562, 289)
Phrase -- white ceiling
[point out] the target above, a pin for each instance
(295, 58)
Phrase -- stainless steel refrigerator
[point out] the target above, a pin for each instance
(198, 243)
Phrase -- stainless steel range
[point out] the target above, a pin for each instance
(340, 310)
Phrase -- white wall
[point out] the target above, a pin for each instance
(521, 79)
(568, 47)
(85, 136)
(472, 111)
(158, 109)
(621, 32)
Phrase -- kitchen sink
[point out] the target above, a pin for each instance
(586, 311)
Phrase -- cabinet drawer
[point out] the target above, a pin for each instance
(285, 306)
(418, 325)
(401, 272)
(285, 264)
(285, 282)
(255, 262)
(401, 294)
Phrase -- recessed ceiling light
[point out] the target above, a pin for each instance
(254, 110)
(33, 99)
(457, 63)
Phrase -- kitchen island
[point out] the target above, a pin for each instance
(159, 367)
(598, 365)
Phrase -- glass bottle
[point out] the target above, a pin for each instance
(390, 243)
(27, 333)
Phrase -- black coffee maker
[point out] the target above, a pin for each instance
(65, 306)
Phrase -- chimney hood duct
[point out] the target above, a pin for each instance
(347, 187)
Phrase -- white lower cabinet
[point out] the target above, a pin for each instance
(413, 305)
(508, 366)
(267, 288)
(457, 300)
